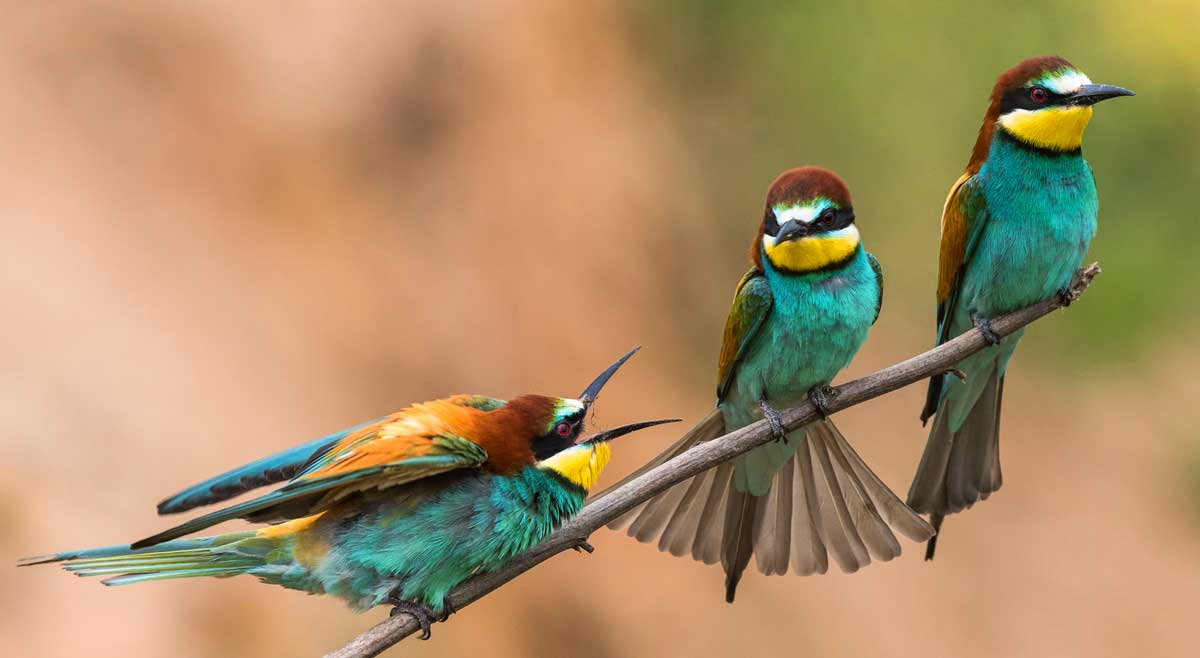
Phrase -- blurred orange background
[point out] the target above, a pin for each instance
(228, 229)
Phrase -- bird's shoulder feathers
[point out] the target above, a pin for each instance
(421, 430)
(751, 306)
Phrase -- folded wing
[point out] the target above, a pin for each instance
(279, 467)
(420, 442)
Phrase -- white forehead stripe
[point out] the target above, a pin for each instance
(569, 406)
(805, 214)
(1064, 82)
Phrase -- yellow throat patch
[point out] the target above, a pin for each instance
(812, 253)
(1055, 128)
(580, 464)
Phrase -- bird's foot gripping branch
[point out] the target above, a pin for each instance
(609, 507)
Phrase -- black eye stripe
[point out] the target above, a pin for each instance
(552, 443)
(830, 219)
(545, 447)
(1020, 99)
(842, 217)
(770, 223)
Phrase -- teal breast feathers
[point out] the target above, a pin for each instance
(817, 324)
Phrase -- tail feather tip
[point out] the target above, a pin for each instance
(930, 547)
(935, 520)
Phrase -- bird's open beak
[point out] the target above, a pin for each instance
(791, 230)
(609, 435)
(593, 389)
(1092, 94)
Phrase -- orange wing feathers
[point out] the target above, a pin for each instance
(437, 428)
(954, 238)
(403, 435)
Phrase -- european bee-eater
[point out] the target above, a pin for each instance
(1015, 228)
(397, 511)
(798, 317)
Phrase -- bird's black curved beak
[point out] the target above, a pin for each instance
(791, 230)
(609, 435)
(1092, 94)
(593, 389)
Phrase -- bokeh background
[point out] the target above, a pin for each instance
(231, 227)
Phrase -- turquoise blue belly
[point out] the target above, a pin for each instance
(426, 540)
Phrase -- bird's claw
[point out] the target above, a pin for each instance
(984, 326)
(820, 397)
(957, 372)
(422, 613)
(774, 419)
(583, 546)
(1066, 295)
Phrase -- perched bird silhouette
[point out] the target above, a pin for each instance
(1015, 228)
(798, 317)
(397, 511)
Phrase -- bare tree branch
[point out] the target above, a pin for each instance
(574, 533)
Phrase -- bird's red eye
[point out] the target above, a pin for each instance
(1039, 95)
(563, 430)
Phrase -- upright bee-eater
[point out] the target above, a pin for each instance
(798, 317)
(1015, 228)
(397, 511)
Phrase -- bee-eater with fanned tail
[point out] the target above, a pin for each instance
(1015, 228)
(798, 317)
(397, 511)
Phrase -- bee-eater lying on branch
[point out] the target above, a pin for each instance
(397, 511)
(798, 318)
(1015, 228)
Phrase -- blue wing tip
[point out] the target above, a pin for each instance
(173, 505)
(40, 559)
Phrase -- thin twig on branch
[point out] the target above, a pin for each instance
(941, 359)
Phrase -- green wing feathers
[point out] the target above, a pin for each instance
(878, 270)
(751, 306)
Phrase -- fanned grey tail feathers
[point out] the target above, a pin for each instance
(824, 500)
(960, 468)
